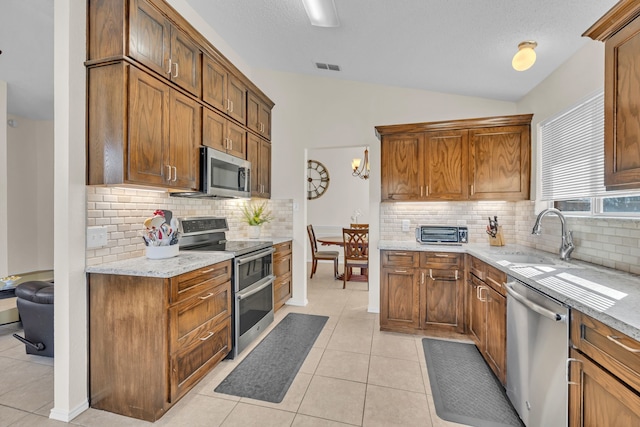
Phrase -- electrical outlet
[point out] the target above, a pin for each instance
(405, 225)
(96, 237)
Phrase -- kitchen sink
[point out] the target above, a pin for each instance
(526, 259)
(515, 260)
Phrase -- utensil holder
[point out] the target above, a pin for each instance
(162, 252)
(498, 240)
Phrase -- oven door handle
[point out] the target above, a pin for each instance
(242, 260)
(244, 295)
(533, 306)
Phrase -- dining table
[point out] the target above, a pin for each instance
(339, 241)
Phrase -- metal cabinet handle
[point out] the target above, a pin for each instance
(175, 173)
(615, 339)
(471, 189)
(441, 255)
(169, 168)
(209, 335)
(421, 191)
(456, 275)
(567, 370)
(207, 271)
(422, 278)
(231, 102)
(552, 315)
(426, 191)
(431, 274)
(480, 288)
(169, 70)
(400, 271)
(176, 74)
(207, 296)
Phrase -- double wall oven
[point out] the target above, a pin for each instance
(252, 274)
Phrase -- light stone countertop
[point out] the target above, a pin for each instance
(619, 292)
(185, 262)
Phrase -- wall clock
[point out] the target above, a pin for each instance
(317, 179)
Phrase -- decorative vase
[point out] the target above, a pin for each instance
(254, 231)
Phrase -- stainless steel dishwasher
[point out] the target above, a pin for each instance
(537, 352)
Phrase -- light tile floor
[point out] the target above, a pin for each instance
(354, 375)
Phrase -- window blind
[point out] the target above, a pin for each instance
(572, 158)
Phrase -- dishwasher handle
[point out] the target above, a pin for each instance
(556, 317)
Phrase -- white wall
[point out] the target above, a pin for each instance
(30, 195)
(4, 211)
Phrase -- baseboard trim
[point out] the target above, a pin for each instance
(66, 416)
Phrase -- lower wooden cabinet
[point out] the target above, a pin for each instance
(487, 315)
(604, 375)
(152, 339)
(282, 268)
(421, 291)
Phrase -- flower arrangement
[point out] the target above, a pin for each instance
(255, 214)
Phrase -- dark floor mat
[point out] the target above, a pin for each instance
(464, 388)
(267, 372)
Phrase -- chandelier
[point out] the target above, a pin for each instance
(361, 169)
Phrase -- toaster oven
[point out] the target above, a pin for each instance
(442, 235)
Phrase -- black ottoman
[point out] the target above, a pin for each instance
(35, 306)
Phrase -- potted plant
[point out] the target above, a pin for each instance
(255, 215)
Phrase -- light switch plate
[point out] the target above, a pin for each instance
(96, 237)
(405, 225)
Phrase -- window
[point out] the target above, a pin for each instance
(572, 163)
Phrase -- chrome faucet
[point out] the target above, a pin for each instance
(567, 237)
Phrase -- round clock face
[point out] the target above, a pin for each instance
(317, 179)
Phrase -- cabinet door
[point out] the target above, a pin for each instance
(399, 298)
(237, 137)
(265, 168)
(214, 84)
(214, 133)
(258, 116)
(622, 117)
(148, 143)
(186, 62)
(184, 141)
(477, 313)
(402, 167)
(600, 399)
(446, 160)
(259, 154)
(440, 300)
(499, 163)
(264, 118)
(237, 102)
(149, 36)
(496, 349)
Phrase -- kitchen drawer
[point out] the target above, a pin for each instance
(614, 351)
(496, 279)
(452, 274)
(282, 265)
(282, 249)
(282, 289)
(191, 320)
(477, 268)
(400, 258)
(443, 260)
(189, 365)
(189, 284)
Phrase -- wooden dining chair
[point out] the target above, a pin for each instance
(321, 255)
(356, 254)
(359, 226)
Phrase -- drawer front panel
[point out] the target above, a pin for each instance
(400, 258)
(191, 364)
(616, 352)
(441, 260)
(189, 284)
(282, 265)
(282, 249)
(496, 279)
(478, 268)
(191, 320)
(282, 289)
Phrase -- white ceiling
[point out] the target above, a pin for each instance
(452, 46)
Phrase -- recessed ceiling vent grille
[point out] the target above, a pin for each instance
(323, 66)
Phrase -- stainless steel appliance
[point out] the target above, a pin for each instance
(442, 235)
(537, 352)
(252, 274)
(221, 175)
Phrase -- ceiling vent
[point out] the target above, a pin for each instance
(323, 66)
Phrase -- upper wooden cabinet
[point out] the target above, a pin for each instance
(258, 116)
(162, 47)
(223, 134)
(259, 154)
(475, 159)
(223, 91)
(620, 30)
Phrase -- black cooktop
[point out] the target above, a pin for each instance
(237, 247)
(208, 234)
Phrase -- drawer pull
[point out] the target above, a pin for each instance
(615, 340)
(399, 253)
(209, 335)
(431, 274)
(456, 274)
(400, 271)
(207, 271)
(567, 376)
(209, 295)
(441, 255)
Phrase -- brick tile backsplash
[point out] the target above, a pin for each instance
(123, 211)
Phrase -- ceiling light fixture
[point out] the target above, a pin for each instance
(322, 13)
(525, 57)
(361, 172)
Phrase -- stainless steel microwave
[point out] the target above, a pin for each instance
(221, 175)
(442, 234)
